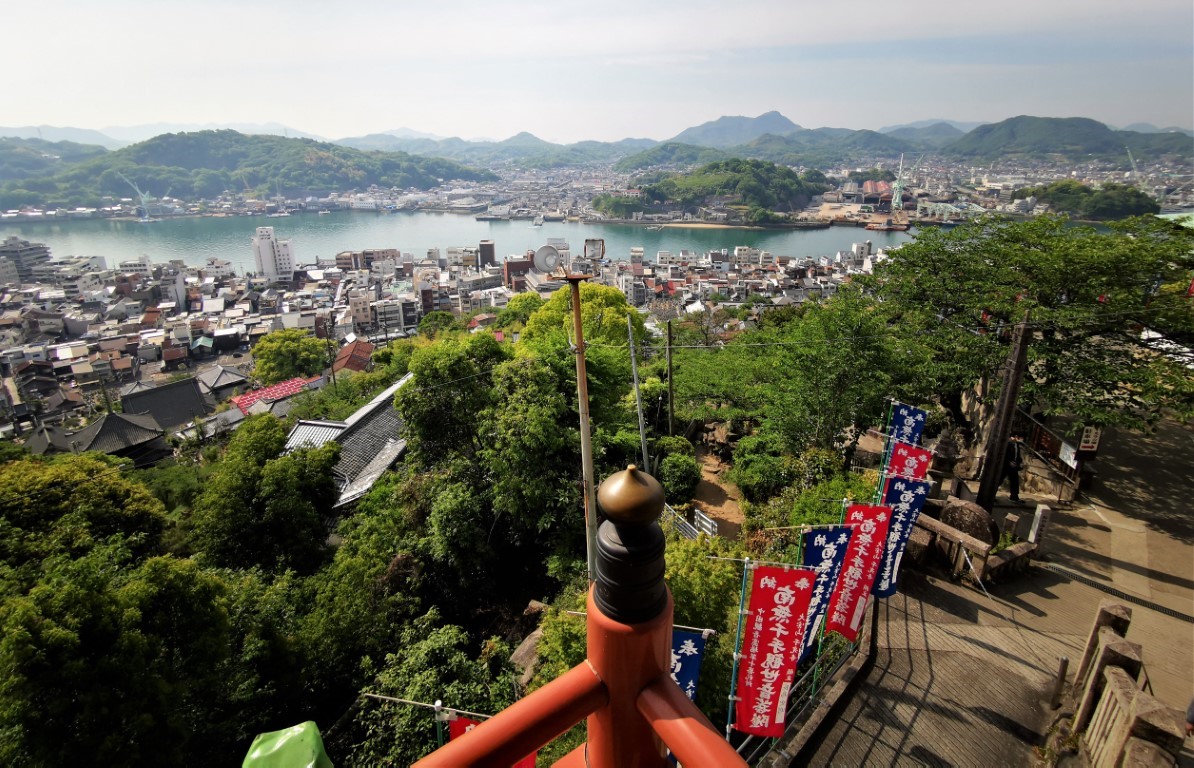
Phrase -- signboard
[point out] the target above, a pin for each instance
(906, 498)
(1090, 439)
(1067, 455)
(688, 648)
(778, 609)
(825, 553)
(870, 523)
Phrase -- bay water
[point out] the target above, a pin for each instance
(194, 239)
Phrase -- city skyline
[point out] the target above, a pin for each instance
(565, 74)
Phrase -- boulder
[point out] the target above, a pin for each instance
(970, 519)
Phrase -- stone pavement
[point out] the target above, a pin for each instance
(963, 678)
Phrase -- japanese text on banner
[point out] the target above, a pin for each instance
(824, 552)
(862, 564)
(906, 498)
(688, 648)
(771, 645)
(907, 423)
(908, 461)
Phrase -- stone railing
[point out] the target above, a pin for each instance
(1117, 722)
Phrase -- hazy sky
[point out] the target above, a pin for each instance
(605, 70)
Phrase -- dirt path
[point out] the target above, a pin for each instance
(716, 496)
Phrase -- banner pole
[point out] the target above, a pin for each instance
(737, 649)
(439, 724)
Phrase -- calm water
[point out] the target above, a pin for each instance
(195, 239)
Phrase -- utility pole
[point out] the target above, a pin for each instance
(586, 440)
(638, 396)
(671, 412)
(1005, 411)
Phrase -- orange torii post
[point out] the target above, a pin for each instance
(635, 711)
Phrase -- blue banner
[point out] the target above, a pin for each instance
(688, 648)
(906, 498)
(825, 553)
(907, 423)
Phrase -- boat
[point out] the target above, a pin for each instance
(324, 213)
(887, 226)
(655, 228)
(538, 222)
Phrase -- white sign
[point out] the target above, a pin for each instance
(1090, 439)
(1068, 456)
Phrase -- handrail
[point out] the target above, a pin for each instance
(526, 725)
(684, 728)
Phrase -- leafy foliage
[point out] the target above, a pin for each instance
(1110, 201)
(753, 182)
(1087, 293)
(679, 475)
(285, 354)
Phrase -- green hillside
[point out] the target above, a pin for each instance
(731, 131)
(1070, 137)
(205, 163)
(669, 154)
(25, 158)
(755, 183)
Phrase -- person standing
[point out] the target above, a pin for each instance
(1013, 460)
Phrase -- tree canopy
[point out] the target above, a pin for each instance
(1088, 294)
(285, 354)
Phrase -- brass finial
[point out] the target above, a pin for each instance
(631, 496)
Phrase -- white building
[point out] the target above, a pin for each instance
(273, 258)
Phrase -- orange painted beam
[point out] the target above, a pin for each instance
(684, 728)
(628, 657)
(527, 724)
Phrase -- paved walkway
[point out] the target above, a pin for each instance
(962, 678)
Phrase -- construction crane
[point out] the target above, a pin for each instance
(142, 195)
(897, 192)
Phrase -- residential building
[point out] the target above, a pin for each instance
(24, 255)
(274, 258)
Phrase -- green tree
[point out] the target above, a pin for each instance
(603, 315)
(1088, 292)
(438, 322)
(261, 508)
(679, 474)
(434, 662)
(519, 309)
(68, 506)
(124, 661)
(286, 354)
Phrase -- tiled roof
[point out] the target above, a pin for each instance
(368, 432)
(116, 431)
(276, 392)
(172, 404)
(220, 376)
(312, 434)
(354, 356)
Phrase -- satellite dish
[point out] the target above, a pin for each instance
(547, 259)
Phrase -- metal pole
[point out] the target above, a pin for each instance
(671, 410)
(586, 440)
(1063, 666)
(992, 472)
(737, 646)
(638, 397)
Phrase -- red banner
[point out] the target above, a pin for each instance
(778, 611)
(863, 557)
(462, 725)
(908, 461)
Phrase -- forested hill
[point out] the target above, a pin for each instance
(755, 183)
(205, 163)
(23, 158)
(1065, 136)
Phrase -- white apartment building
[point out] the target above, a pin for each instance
(273, 258)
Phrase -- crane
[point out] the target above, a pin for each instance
(1135, 169)
(897, 191)
(143, 195)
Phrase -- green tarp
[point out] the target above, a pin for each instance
(297, 747)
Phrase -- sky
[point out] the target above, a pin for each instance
(568, 71)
